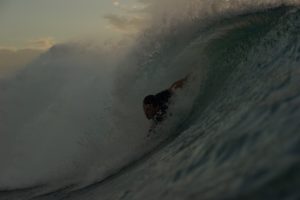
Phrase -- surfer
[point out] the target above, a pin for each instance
(156, 106)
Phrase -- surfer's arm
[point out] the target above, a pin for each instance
(178, 84)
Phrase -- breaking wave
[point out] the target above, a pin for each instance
(72, 125)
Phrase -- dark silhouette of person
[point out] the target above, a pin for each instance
(156, 106)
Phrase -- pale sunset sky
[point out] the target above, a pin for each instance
(42, 23)
(30, 27)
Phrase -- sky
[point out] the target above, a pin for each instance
(39, 24)
(30, 27)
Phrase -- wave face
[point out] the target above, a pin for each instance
(74, 116)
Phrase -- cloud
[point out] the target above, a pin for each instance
(131, 19)
(131, 8)
(41, 43)
(116, 3)
(12, 59)
(125, 24)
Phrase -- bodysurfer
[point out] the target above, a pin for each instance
(156, 106)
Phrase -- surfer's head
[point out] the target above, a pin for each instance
(150, 106)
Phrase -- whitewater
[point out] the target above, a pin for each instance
(72, 125)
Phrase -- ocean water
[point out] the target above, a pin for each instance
(73, 127)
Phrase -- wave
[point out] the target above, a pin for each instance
(74, 116)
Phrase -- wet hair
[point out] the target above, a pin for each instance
(150, 99)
